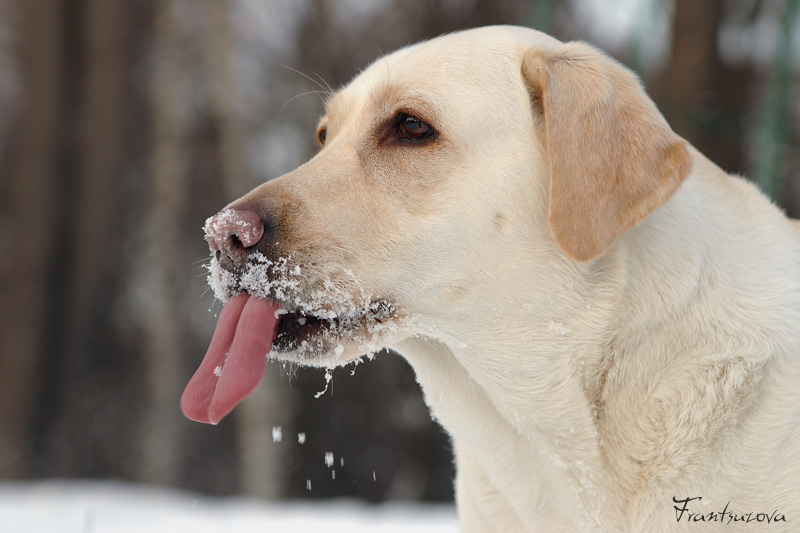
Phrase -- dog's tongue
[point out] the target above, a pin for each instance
(235, 361)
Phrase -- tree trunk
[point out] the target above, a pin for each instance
(774, 131)
(169, 190)
(27, 225)
(84, 264)
(700, 96)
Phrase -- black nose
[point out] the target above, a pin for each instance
(231, 232)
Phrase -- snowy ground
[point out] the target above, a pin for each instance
(112, 507)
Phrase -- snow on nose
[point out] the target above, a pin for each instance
(231, 231)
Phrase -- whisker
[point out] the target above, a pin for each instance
(290, 370)
(328, 85)
(293, 98)
(326, 89)
(202, 268)
(204, 260)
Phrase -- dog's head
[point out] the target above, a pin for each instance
(437, 164)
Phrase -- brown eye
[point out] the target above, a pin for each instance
(413, 129)
(322, 134)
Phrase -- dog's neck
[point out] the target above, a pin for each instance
(516, 395)
(542, 441)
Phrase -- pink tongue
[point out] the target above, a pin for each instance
(235, 361)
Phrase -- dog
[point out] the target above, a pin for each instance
(606, 324)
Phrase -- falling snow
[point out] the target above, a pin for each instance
(328, 378)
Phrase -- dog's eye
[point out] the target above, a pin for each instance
(413, 129)
(322, 135)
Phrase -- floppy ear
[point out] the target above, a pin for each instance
(613, 158)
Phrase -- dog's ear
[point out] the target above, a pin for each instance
(613, 158)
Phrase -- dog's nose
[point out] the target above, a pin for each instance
(231, 231)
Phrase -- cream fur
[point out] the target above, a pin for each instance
(589, 364)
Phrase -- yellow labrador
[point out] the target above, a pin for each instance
(607, 324)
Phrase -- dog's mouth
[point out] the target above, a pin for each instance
(296, 329)
(305, 336)
(275, 322)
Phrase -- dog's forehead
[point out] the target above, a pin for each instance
(448, 64)
(452, 52)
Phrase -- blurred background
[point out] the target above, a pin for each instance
(124, 124)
